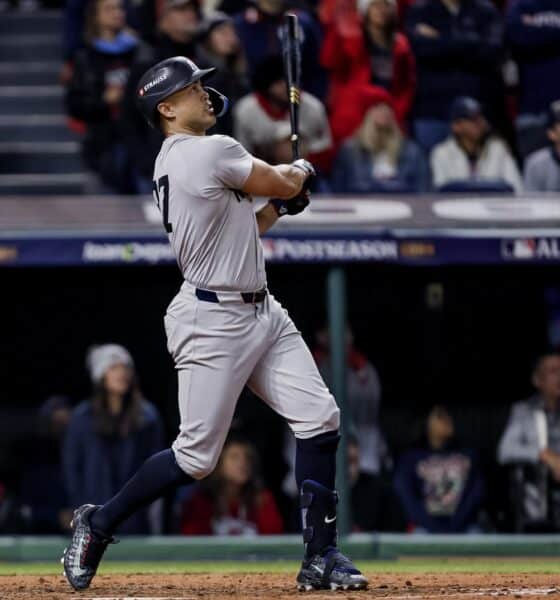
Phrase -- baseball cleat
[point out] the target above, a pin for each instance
(330, 571)
(83, 555)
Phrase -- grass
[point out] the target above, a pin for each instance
(412, 566)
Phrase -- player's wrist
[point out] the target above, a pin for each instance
(280, 207)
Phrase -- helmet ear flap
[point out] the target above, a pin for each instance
(219, 101)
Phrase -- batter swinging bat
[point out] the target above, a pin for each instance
(292, 69)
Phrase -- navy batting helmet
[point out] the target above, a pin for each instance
(166, 78)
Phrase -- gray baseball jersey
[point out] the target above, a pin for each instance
(220, 346)
(211, 225)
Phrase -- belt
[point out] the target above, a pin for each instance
(246, 297)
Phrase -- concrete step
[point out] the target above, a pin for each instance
(37, 99)
(17, 73)
(41, 21)
(28, 47)
(40, 157)
(43, 183)
(36, 128)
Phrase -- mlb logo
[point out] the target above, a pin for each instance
(521, 249)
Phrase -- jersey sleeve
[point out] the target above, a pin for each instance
(233, 163)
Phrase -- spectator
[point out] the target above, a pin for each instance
(232, 500)
(542, 168)
(140, 16)
(533, 30)
(471, 155)
(176, 32)
(220, 47)
(369, 50)
(355, 101)
(373, 501)
(259, 29)
(458, 49)
(531, 444)
(379, 158)
(42, 494)
(262, 120)
(96, 90)
(111, 435)
(439, 482)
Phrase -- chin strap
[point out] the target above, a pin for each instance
(219, 101)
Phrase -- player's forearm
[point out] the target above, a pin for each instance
(266, 217)
(294, 176)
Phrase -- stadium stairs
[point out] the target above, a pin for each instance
(39, 154)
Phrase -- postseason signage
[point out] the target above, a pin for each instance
(407, 248)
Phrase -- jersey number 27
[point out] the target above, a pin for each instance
(162, 184)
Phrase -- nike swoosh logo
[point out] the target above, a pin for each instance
(327, 520)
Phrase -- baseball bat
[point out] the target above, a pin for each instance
(292, 69)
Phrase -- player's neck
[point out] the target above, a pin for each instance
(185, 131)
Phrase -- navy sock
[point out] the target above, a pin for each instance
(157, 476)
(316, 459)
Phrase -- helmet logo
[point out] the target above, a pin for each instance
(152, 83)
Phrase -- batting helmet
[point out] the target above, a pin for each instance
(166, 78)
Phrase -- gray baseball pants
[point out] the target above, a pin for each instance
(220, 347)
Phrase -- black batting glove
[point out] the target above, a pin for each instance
(293, 206)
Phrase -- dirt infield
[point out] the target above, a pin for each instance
(281, 587)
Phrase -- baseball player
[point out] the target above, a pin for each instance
(224, 329)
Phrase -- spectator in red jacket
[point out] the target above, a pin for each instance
(232, 500)
(366, 48)
(350, 110)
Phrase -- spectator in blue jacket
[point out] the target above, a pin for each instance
(259, 29)
(439, 482)
(111, 435)
(542, 167)
(533, 30)
(458, 47)
(379, 158)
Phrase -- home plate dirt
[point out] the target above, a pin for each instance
(281, 587)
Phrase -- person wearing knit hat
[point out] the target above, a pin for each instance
(101, 358)
(363, 5)
(111, 433)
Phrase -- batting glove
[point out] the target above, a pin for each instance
(293, 206)
(305, 166)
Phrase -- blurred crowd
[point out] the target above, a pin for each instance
(404, 96)
(435, 483)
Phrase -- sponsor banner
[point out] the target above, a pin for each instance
(130, 252)
(432, 249)
(83, 251)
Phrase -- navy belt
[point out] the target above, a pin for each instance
(247, 297)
